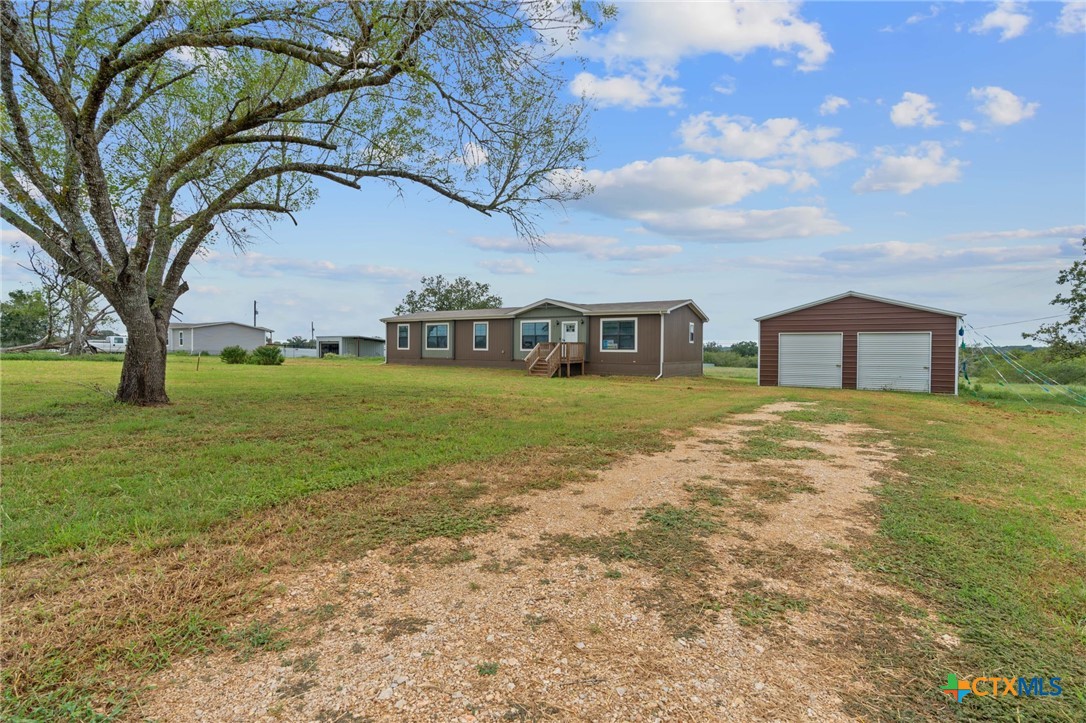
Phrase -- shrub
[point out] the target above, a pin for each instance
(268, 355)
(234, 355)
(330, 356)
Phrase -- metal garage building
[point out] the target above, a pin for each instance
(858, 341)
(366, 346)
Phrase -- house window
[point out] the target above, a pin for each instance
(534, 332)
(482, 335)
(437, 336)
(691, 332)
(618, 335)
(180, 338)
(403, 336)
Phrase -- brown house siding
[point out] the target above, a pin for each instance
(393, 336)
(851, 315)
(500, 342)
(644, 361)
(681, 357)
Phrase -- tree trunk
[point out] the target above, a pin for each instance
(143, 374)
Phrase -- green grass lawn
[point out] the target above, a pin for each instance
(983, 517)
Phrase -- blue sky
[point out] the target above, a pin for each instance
(752, 158)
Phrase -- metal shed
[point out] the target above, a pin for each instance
(351, 346)
(859, 341)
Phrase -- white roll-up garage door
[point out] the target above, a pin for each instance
(809, 360)
(894, 360)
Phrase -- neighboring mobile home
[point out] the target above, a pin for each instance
(214, 336)
(549, 337)
(858, 341)
(351, 345)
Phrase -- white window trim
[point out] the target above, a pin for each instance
(520, 337)
(180, 338)
(402, 326)
(693, 332)
(475, 324)
(620, 351)
(426, 336)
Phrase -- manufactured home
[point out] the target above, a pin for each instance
(556, 338)
(213, 336)
(859, 341)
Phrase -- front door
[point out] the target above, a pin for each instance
(569, 331)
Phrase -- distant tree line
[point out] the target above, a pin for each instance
(739, 354)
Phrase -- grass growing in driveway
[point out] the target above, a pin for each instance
(134, 535)
(83, 472)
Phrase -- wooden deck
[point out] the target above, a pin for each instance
(547, 359)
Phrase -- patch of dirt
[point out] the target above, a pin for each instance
(747, 556)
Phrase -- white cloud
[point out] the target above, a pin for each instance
(716, 225)
(14, 236)
(1071, 233)
(1001, 106)
(933, 12)
(257, 265)
(915, 109)
(508, 267)
(662, 34)
(600, 248)
(1009, 18)
(675, 183)
(967, 125)
(898, 258)
(636, 90)
(1072, 18)
(832, 104)
(473, 154)
(784, 139)
(725, 86)
(923, 165)
(685, 197)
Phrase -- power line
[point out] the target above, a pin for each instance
(1024, 321)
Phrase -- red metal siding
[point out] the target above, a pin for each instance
(851, 315)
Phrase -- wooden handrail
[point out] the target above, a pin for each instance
(554, 354)
(554, 360)
(532, 357)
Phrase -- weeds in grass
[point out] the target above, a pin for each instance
(762, 445)
(254, 637)
(534, 621)
(612, 574)
(757, 606)
(710, 494)
(395, 627)
(487, 668)
(819, 414)
(668, 540)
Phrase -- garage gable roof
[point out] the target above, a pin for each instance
(858, 295)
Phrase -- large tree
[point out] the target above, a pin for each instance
(24, 318)
(440, 294)
(136, 134)
(1066, 339)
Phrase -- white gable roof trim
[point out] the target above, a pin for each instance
(858, 295)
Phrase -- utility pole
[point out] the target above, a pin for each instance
(312, 331)
(254, 313)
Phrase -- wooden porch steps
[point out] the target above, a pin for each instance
(547, 358)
